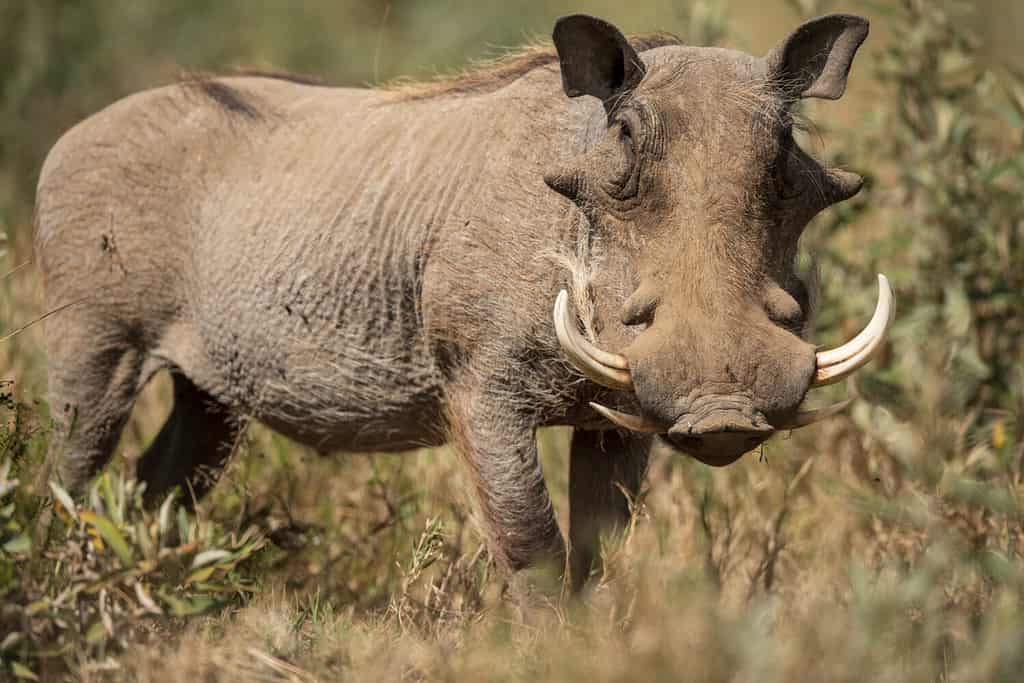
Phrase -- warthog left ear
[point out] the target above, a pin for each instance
(815, 59)
(596, 59)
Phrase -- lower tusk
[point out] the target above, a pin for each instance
(809, 417)
(633, 423)
(608, 369)
(838, 363)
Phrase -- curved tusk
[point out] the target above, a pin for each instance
(633, 423)
(808, 417)
(612, 360)
(840, 362)
(826, 358)
(608, 369)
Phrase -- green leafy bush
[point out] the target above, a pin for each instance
(106, 569)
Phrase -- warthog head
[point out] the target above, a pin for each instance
(696, 184)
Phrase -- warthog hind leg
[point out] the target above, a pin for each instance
(192, 446)
(94, 377)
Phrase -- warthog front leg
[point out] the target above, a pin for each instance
(499, 448)
(601, 463)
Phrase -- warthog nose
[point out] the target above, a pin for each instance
(718, 441)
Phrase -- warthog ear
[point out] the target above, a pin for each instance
(596, 59)
(815, 59)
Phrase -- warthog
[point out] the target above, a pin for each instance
(375, 269)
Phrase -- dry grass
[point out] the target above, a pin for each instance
(793, 569)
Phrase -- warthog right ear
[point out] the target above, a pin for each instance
(815, 59)
(596, 59)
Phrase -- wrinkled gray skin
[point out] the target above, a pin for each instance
(375, 270)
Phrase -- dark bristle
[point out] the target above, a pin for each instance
(228, 98)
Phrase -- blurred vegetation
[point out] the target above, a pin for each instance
(882, 545)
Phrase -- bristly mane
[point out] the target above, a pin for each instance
(489, 75)
(481, 78)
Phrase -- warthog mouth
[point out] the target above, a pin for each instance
(612, 370)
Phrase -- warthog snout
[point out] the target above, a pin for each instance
(715, 434)
(720, 438)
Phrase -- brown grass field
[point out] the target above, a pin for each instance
(883, 545)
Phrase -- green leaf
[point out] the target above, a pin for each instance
(36, 607)
(96, 634)
(144, 540)
(1011, 115)
(110, 534)
(184, 608)
(209, 557)
(19, 545)
(6, 485)
(184, 528)
(64, 498)
(996, 170)
(201, 574)
(12, 639)
(23, 672)
(165, 514)
(109, 499)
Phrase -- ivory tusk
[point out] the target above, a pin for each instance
(838, 363)
(608, 369)
(633, 423)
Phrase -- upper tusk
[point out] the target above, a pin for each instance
(838, 363)
(608, 369)
(633, 423)
(883, 311)
(613, 360)
(807, 417)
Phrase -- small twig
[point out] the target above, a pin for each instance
(41, 318)
(292, 672)
(16, 268)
